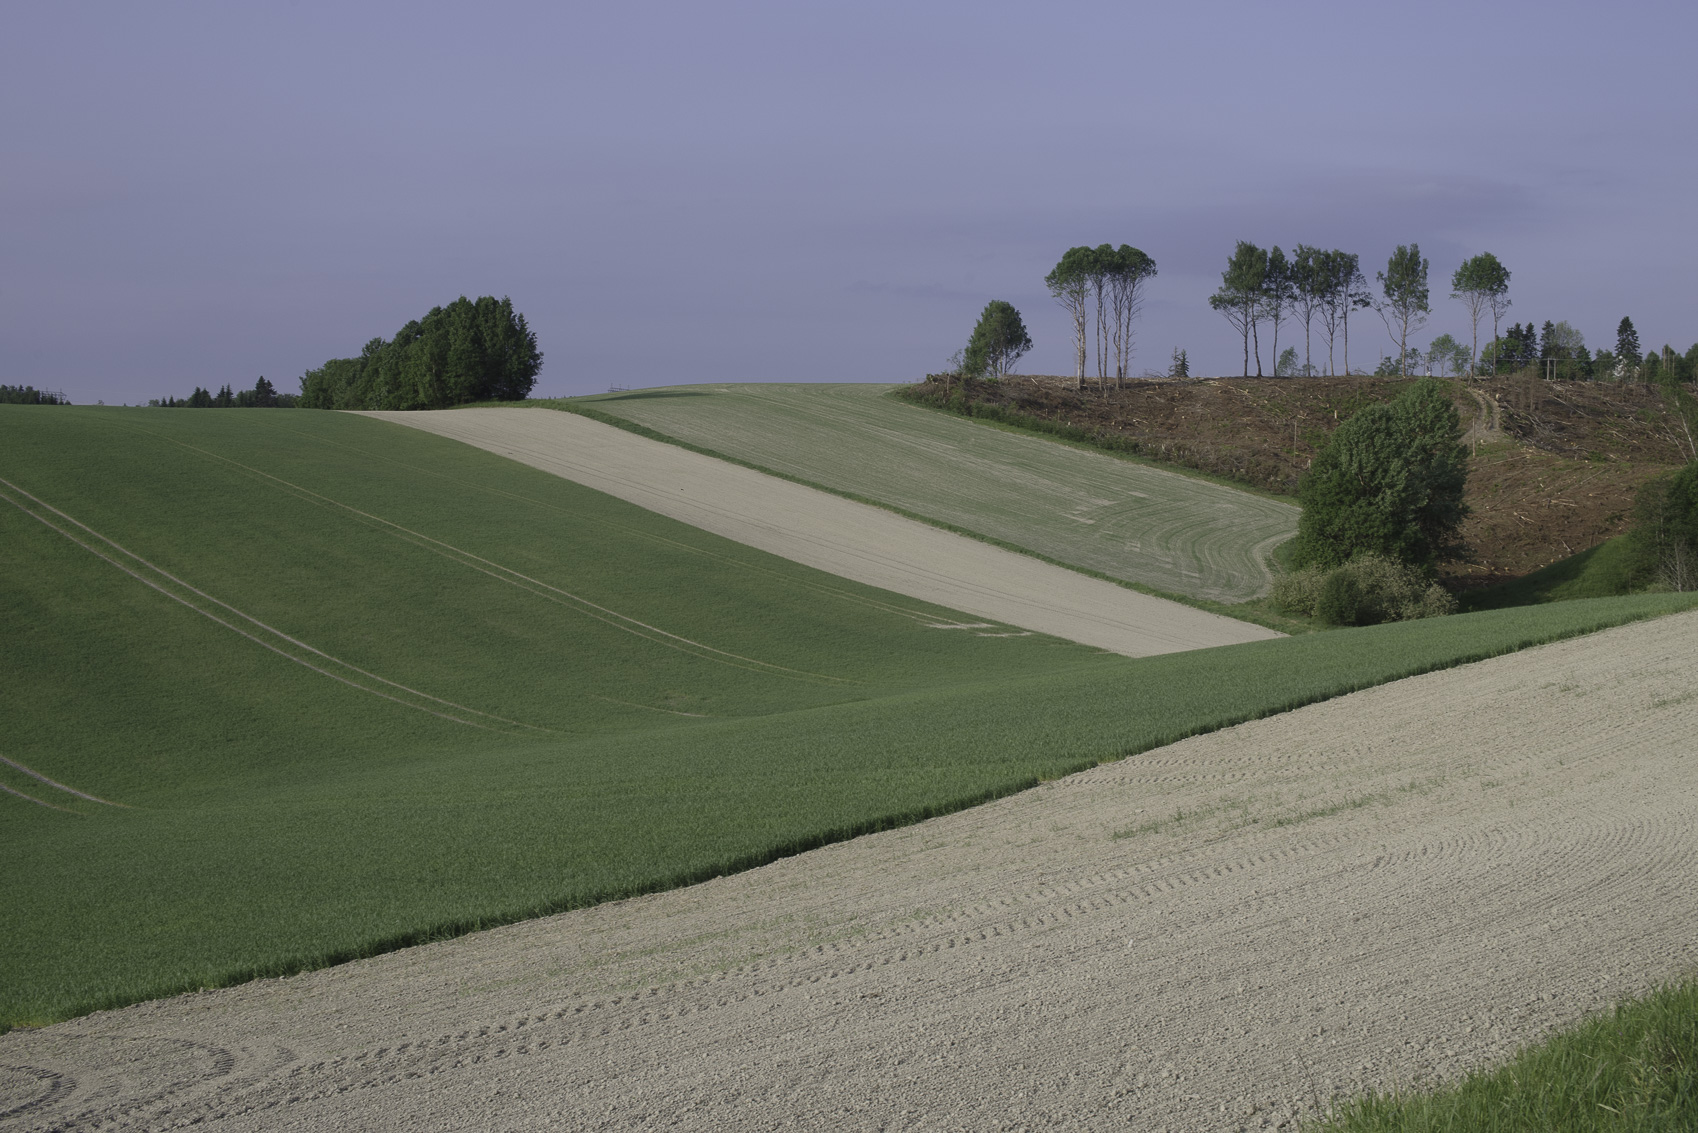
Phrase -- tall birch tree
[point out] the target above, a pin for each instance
(1132, 268)
(1404, 306)
(1240, 292)
(1478, 283)
(1069, 282)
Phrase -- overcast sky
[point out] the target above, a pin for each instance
(671, 192)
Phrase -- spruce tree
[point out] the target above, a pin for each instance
(1627, 347)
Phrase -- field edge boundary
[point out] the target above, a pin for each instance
(1207, 605)
(450, 929)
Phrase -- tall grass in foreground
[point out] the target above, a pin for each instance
(1634, 1071)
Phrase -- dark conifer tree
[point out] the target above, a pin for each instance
(1627, 342)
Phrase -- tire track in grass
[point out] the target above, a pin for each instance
(544, 590)
(33, 799)
(263, 627)
(33, 774)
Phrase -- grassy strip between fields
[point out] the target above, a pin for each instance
(1632, 1071)
(1258, 612)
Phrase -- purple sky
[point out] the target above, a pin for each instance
(200, 194)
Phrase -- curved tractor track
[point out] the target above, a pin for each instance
(1384, 889)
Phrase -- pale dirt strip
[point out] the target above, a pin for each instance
(1380, 889)
(827, 532)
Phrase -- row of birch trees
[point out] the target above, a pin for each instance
(1263, 288)
(1109, 283)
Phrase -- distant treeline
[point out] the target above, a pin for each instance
(29, 395)
(264, 395)
(1559, 351)
(466, 351)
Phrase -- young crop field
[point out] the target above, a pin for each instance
(284, 688)
(1157, 528)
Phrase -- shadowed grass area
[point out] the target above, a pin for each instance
(1633, 1071)
(1598, 572)
(356, 686)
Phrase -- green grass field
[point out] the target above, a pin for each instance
(1130, 521)
(355, 686)
(1632, 1071)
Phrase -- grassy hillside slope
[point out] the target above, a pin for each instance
(355, 686)
(1140, 524)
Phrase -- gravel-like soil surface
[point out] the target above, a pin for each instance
(1381, 889)
(846, 538)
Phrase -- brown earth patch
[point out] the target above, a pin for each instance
(1554, 466)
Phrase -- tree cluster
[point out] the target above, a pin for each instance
(466, 351)
(1108, 281)
(1558, 351)
(29, 395)
(1389, 482)
(264, 395)
(1263, 287)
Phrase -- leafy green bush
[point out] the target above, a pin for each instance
(1368, 590)
(1388, 483)
(1343, 601)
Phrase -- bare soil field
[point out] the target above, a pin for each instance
(846, 538)
(1384, 889)
(1554, 473)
